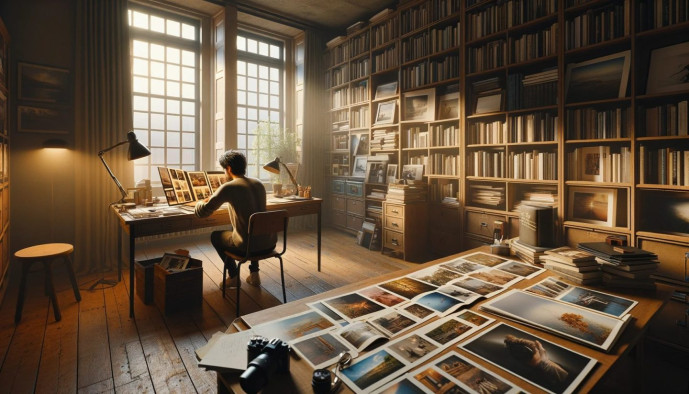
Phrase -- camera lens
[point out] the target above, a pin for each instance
(321, 381)
(253, 379)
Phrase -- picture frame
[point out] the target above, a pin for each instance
(174, 262)
(592, 205)
(391, 173)
(385, 114)
(362, 147)
(669, 69)
(488, 103)
(32, 119)
(412, 172)
(386, 90)
(448, 106)
(593, 163)
(601, 78)
(376, 172)
(419, 105)
(359, 168)
(43, 83)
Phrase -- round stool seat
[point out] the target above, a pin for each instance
(44, 251)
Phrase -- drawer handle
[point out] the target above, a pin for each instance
(395, 225)
(395, 242)
(484, 224)
(394, 211)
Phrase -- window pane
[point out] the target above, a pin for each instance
(241, 83)
(188, 123)
(173, 156)
(158, 69)
(274, 102)
(241, 68)
(157, 52)
(263, 115)
(158, 121)
(263, 49)
(263, 72)
(275, 51)
(251, 99)
(140, 20)
(188, 58)
(188, 74)
(140, 120)
(263, 86)
(173, 106)
(241, 97)
(274, 88)
(251, 45)
(262, 100)
(251, 85)
(173, 140)
(157, 87)
(173, 123)
(140, 67)
(157, 139)
(157, 24)
(141, 172)
(251, 70)
(157, 155)
(189, 156)
(140, 103)
(241, 113)
(188, 108)
(188, 140)
(241, 43)
(157, 105)
(274, 74)
(188, 32)
(173, 28)
(142, 136)
(275, 116)
(173, 55)
(241, 140)
(252, 114)
(140, 48)
(241, 127)
(173, 89)
(173, 72)
(140, 85)
(188, 91)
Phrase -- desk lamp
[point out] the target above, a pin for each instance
(136, 151)
(274, 167)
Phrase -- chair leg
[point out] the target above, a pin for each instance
(282, 276)
(224, 275)
(22, 291)
(51, 289)
(72, 278)
(239, 283)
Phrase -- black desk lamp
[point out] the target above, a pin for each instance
(136, 151)
(274, 167)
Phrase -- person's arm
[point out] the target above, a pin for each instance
(211, 204)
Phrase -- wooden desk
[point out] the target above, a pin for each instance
(189, 221)
(649, 303)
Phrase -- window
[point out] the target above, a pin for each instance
(260, 67)
(165, 55)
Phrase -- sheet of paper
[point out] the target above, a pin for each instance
(227, 353)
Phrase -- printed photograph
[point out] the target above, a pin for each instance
(412, 348)
(419, 311)
(353, 306)
(542, 363)
(360, 335)
(476, 378)
(326, 311)
(448, 106)
(438, 302)
(448, 331)
(202, 192)
(436, 275)
(381, 296)
(386, 90)
(197, 178)
(393, 323)
(478, 286)
(463, 295)
(165, 180)
(401, 385)
(549, 287)
(462, 266)
(521, 269)
(473, 318)
(601, 302)
(320, 351)
(598, 79)
(496, 277)
(295, 326)
(216, 179)
(434, 381)
(171, 197)
(407, 287)
(386, 113)
(43, 120)
(375, 368)
(359, 168)
(412, 172)
(486, 259)
(420, 105)
(669, 69)
(592, 205)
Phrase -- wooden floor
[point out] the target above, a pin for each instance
(96, 347)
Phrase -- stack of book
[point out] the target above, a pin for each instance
(527, 253)
(377, 193)
(574, 265)
(383, 139)
(406, 193)
(623, 266)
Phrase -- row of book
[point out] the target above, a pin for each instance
(494, 132)
(443, 164)
(598, 164)
(340, 75)
(360, 117)
(488, 56)
(416, 138)
(383, 139)
(386, 59)
(359, 92)
(487, 195)
(531, 91)
(532, 165)
(536, 127)
(623, 266)
(385, 32)
(486, 164)
(534, 45)
(359, 44)
(341, 142)
(415, 47)
(443, 68)
(664, 166)
(361, 68)
(653, 14)
(598, 25)
(541, 195)
(340, 98)
(503, 15)
(596, 123)
(447, 193)
(445, 38)
(444, 135)
(667, 120)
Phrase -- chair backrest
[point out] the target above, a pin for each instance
(269, 222)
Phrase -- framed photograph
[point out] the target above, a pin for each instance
(420, 105)
(669, 69)
(412, 172)
(488, 103)
(593, 205)
(448, 106)
(359, 168)
(386, 90)
(391, 173)
(593, 163)
(174, 262)
(385, 113)
(42, 83)
(598, 79)
(362, 147)
(376, 171)
(43, 120)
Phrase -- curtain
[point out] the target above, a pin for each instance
(314, 157)
(103, 116)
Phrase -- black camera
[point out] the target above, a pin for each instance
(265, 358)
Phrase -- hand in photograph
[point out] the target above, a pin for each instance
(534, 355)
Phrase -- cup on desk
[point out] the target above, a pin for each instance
(277, 189)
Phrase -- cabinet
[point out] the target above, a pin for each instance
(4, 158)
(405, 230)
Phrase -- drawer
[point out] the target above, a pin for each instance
(479, 223)
(394, 210)
(393, 239)
(354, 189)
(355, 207)
(354, 222)
(337, 186)
(156, 226)
(574, 236)
(339, 218)
(394, 223)
(670, 256)
(339, 203)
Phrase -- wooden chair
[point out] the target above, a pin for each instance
(47, 254)
(261, 224)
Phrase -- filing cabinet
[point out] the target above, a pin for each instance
(405, 230)
(347, 206)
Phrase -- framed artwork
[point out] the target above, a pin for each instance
(386, 90)
(420, 105)
(487, 103)
(42, 83)
(43, 120)
(359, 169)
(392, 173)
(593, 205)
(593, 163)
(598, 79)
(376, 171)
(669, 69)
(448, 106)
(412, 172)
(386, 112)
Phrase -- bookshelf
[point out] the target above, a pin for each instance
(526, 127)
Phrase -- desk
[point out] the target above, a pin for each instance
(649, 303)
(189, 221)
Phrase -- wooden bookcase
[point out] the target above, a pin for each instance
(4, 158)
(521, 132)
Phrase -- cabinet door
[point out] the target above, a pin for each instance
(355, 207)
(393, 239)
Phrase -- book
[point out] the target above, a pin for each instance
(617, 254)
(585, 268)
(536, 225)
(626, 267)
(558, 269)
(627, 274)
(579, 281)
(570, 255)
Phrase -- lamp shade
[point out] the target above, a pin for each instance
(273, 166)
(136, 149)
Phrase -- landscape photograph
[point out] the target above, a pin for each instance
(372, 369)
(295, 326)
(462, 266)
(478, 286)
(517, 268)
(419, 311)
(436, 276)
(496, 277)
(476, 378)
(413, 348)
(448, 331)
(485, 259)
(321, 350)
(407, 287)
(434, 381)
(353, 305)
(381, 296)
(393, 323)
(438, 301)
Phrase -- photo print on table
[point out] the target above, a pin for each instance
(353, 306)
(361, 335)
(484, 259)
(496, 277)
(407, 287)
(435, 275)
(478, 286)
(405, 384)
(462, 266)
(394, 322)
(295, 326)
(474, 376)
(322, 350)
(381, 296)
(372, 370)
(524, 270)
(435, 381)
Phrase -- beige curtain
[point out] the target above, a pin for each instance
(103, 118)
(314, 158)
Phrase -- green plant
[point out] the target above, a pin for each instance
(274, 141)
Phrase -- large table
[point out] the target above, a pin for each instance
(299, 380)
(141, 227)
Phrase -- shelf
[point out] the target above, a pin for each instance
(479, 74)
(359, 56)
(384, 126)
(593, 47)
(485, 210)
(432, 84)
(386, 45)
(538, 143)
(530, 25)
(479, 146)
(357, 80)
(486, 179)
(582, 225)
(532, 62)
(598, 184)
(598, 141)
(652, 186)
(444, 147)
(582, 8)
(444, 120)
(414, 149)
(667, 138)
(679, 94)
(672, 237)
(534, 181)
(598, 102)
(533, 109)
(490, 37)
(442, 176)
(665, 30)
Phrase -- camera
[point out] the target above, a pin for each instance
(265, 359)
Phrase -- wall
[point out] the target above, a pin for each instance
(41, 181)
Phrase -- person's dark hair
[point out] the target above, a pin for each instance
(235, 160)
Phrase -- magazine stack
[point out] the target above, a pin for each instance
(529, 254)
(573, 265)
(406, 193)
(624, 266)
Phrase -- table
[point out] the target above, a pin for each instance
(299, 380)
(141, 227)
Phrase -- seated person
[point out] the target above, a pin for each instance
(245, 196)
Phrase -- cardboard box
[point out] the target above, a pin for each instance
(143, 273)
(174, 291)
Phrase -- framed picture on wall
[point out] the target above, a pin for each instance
(598, 79)
(593, 205)
(669, 69)
(413, 172)
(32, 119)
(43, 83)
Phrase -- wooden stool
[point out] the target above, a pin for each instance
(47, 254)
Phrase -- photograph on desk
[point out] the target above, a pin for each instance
(586, 298)
(496, 277)
(394, 322)
(407, 287)
(545, 364)
(478, 286)
(585, 326)
(435, 275)
(484, 259)
(525, 270)
(453, 328)
(405, 384)
(435, 381)
(361, 335)
(295, 326)
(199, 184)
(419, 311)
(373, 370)
(461, 266)
(318, 306)
(381, 296)
(439, 302)
(353, 306)
(322, 350)
(216, 179)
(473, 376)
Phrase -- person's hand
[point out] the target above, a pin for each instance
(539, 353)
